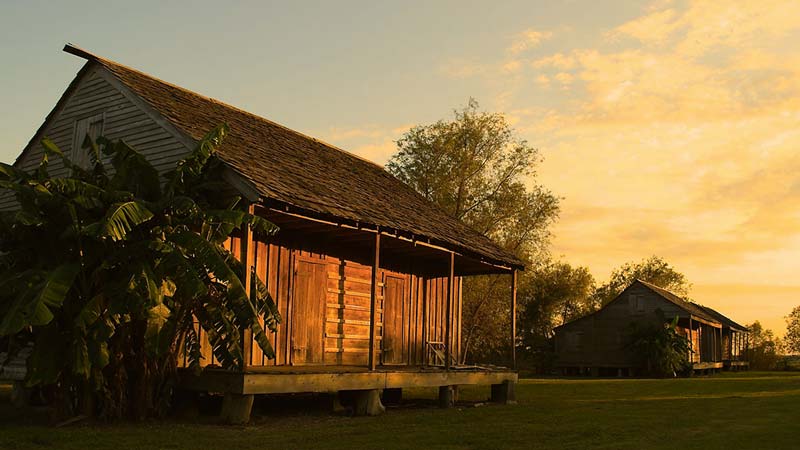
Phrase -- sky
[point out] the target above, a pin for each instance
(669, 128)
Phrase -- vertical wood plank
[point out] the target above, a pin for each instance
(260, 249)
(691, 342)
(248, 253)
(424, 297)
(373, 301)
(459, 313)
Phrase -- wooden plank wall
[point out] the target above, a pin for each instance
(346, 321)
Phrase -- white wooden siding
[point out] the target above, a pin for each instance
(123, 119)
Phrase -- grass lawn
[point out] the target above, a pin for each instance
(745, 410)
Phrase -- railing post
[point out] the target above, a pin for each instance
(373, 301)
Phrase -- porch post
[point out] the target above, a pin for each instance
(373, 301)
(514, 319)
(247, 257)
(448, 333)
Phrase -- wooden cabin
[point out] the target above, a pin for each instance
(597, 343)
(366, 273)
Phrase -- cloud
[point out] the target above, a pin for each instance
(653, 28)
(558, 61)
(527, 40)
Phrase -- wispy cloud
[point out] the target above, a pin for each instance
(527, 40)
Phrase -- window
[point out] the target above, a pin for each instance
(575, 340)
(91, 126)
(636, 302)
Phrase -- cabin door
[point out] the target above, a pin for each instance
(308, 312)
(395, 312)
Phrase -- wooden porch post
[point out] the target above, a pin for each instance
(514, 319)
(448, 333)
(247, 257)
(373, 301)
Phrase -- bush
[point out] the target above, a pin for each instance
(657, 347)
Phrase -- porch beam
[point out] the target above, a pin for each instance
(373, 302)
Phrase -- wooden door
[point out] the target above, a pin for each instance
(395, 313)
(308, 312)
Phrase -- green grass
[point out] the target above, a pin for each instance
(745, 410)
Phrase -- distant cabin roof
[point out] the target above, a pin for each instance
(299, 171)
(687, 306)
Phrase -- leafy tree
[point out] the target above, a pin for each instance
(764, 347)
(554, 293)
(792, 338)
(653, 270)
(657, 346)
(477, 170)
(105, 270)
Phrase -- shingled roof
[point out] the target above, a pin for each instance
(298, 170)
(687, 306)
(725, 320)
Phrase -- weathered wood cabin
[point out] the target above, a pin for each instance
(596, 344)
(366, 273)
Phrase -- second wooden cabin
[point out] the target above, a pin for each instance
(597, 344)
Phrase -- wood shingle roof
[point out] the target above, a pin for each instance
(687, 306)
(297, 170)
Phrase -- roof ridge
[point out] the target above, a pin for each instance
(77, 51)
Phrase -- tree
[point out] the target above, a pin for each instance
(477, 170)
(657, 346)
(104, 271)
(764, 347)
(653, 270)
(552, 294)
(792, 338)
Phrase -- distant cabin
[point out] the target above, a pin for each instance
(597, 344)
(366, 272)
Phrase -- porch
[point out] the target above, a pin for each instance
(320, 379)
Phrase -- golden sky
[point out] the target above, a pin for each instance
(669, 127)
(675, 133)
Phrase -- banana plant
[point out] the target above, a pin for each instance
(106, 270)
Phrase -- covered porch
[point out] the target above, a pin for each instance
(383, 314)
(705, 343)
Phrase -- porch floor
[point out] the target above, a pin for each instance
(707, 365)
(297, 379)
